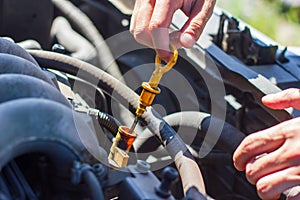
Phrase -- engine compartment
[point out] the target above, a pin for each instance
(70, 75)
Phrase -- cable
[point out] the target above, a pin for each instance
(109, 122)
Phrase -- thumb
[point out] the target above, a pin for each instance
(192, 29)
(284, 99)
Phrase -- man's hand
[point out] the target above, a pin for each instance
(271, 157)
(151, 20)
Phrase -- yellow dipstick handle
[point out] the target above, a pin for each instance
(160, 70)
(150, 89)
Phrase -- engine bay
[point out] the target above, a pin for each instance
(70, 80)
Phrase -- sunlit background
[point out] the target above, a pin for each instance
(278, 19)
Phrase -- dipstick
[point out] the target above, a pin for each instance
(136, 119)
(151, 89)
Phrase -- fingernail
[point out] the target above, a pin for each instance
(249, 168)
(187, 40)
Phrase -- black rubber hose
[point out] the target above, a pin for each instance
(9, 47)
(16, 86)
(11, 64)
(189, 171)
(95, 190)
(194, 194)
(109, 122)
(228, 139)
(47, 127)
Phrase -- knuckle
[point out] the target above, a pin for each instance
(154, 25)
(263, 190)
(289, 93)
(251, 175)
(291, 156)
(195, 28)
(131, 30)
(142, 35)
(139, 33)
(248, 143)
(269, 188)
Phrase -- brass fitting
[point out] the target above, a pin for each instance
(146, 98)
(121, 146)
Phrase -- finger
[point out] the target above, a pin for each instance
(198, 18)
(174, 39)
(267, 141)
(265, 165)
(159, 26)
(161, 43)
(283, 157)
(187, 8)
(273, 185)
(284, 99)
(257, 144)
(133, 16)
(140, 26)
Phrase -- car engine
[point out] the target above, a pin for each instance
(70, 80)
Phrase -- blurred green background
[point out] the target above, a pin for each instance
(278, 19)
